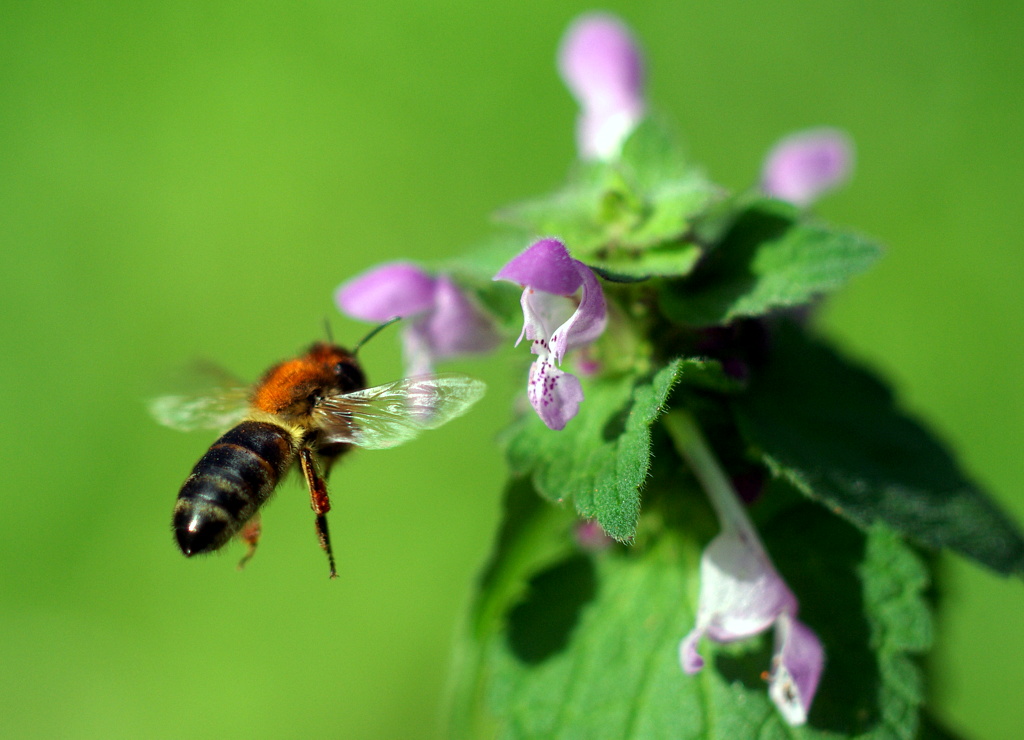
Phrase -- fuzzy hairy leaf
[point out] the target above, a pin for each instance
(666, 260)
(628, 216)
(834, 430)
(591, 206)
(600, 460)
(768, 259)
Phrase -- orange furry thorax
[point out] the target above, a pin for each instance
(290, 387)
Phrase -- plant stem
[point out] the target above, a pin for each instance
(690, 443)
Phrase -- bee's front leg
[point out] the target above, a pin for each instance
(320, 502)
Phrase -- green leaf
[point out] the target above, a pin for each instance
(533, 535)
(716, 221)
(672, 191)
(628, 216)
(767, 260)
(667, 260)
(600, 460)
(833, 430)
(586, 645)
(651, 155)
(667, 212)
(585, 214)
(708, 375)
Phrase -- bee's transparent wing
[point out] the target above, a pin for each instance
(203, 396)
(188, 412)
(388, 415)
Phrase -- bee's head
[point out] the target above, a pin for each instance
(338, 364)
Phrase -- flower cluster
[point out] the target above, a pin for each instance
(564, 308)
(445, 323)
(602, 66)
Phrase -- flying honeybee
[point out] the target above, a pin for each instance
(304, 412)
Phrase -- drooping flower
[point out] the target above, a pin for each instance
(741, 592)
(741, 595)
(555, 323)
(804, 165)
(601, 65)
(443, 321)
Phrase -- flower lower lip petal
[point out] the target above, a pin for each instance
(796, 669)
(554, 394)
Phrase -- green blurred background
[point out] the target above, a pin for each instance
(182, 180)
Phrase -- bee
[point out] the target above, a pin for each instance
(304, 413)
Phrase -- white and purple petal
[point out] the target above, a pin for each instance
(796, 669)
(555, 322)
(546, 269)
(417, 353)
(441, 320)
(542, 314)
(588, 322)
(456, 326)
(741, 594)
(600, 136)
(555, 395)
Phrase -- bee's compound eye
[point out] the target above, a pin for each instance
(350, 377)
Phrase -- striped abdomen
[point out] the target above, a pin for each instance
(229, 484)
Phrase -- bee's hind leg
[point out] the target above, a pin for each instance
(250, 535)
(320, 502)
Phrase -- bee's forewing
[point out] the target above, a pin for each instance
(388, 415)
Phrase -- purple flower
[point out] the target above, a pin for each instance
(555, 323)
(741, 595)
(443, 321)
(804, 165)
(601, 65)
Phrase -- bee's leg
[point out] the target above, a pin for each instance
(250, 535)
(320, 502)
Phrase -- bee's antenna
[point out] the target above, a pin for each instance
(327, 330)
(374, 333)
